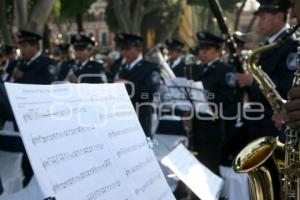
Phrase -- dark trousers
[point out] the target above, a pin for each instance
(261, 128)
(15, 144)
(209, 154)
(172, 127)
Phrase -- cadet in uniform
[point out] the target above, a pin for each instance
(235, 139)
(13, 143)
(85, 70)
(175, 61)
(144, 75)
(116, 61)
(278, 63)
(169, 123)
(34, 67)
(65, 64)
(9, 63)
(219, 81)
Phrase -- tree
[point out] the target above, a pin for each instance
(75, 10)
(5, 31)
(29, 15)
(39, 12)
(160, 17)
(206, 17)
(238, 14)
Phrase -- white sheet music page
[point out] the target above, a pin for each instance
(71, 135)
(204, 183)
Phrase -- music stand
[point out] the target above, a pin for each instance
(1, 186)
(185, 96)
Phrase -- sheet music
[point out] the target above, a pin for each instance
(185, 94)
(205, 184)
(85, 142)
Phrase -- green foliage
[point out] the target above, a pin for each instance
(160, 19)
(163, 20)
(9, 8)
(56, 8)
(228, 5)
(71, 8)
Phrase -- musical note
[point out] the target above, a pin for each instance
(104, 190)
(116, 133)
(126, 150)
(59, 135)
(107, 97)
(62, 157)
(148, 183)
(116, 114)
(139, 166)
(35, 115)
(83, 175)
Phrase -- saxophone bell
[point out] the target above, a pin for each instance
(261, 160)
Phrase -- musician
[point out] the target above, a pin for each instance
(235, 130)
(12, 143)
(84, 69)
(144, 75)
(292, 107)
(218, 79)
(9, 61)
(116, 61)
(278, 63)
(175, 61)
(65, 63)
(34, 67)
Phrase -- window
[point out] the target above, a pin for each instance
(104, 39)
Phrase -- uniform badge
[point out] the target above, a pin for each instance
(52, 69)
(155, 77)
(230, 79)
(201, 35)
(291, 61)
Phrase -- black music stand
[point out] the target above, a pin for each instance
(1, 187)
(50, 198)
(191, 94)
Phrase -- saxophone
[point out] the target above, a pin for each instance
(271, 166)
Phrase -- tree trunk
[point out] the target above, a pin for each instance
(163, 33)
(238, 15)
(46, 40)
(249, 28)
(122, 12)
(79, 23)
(20, 12)
(5, 31)
(39, 16)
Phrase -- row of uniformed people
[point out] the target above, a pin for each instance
(218, 78)
(37, 68)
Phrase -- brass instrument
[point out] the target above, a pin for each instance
(266, 160)
(292, 147)
(157, 57)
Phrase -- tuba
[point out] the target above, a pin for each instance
(270, 165)
(157, 57)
